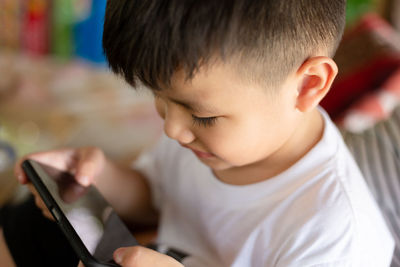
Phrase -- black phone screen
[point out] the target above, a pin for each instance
(93, 220)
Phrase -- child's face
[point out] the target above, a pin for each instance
(226, 121)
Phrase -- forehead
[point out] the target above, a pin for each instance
(209, 82)
(216, 89)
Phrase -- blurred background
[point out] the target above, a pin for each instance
(56, 90)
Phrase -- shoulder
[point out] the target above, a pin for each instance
(315, 224)
(325, 210)
(334, 220)
(330, 216)
(324, 228)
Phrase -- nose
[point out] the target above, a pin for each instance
(176, 125)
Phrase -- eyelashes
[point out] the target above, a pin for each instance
(205, 122)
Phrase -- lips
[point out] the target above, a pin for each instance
(200, 154)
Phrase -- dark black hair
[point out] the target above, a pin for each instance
(148, 40)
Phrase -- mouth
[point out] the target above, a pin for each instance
(200, 154)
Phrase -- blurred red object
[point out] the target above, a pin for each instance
(35, 27)
(368, 58)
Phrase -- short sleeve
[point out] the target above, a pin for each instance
(326, 239)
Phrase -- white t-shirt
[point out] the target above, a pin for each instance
(319, 212)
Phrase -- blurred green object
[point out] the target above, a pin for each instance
(356, 8)
(63, 20)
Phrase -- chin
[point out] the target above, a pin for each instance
(216, 165)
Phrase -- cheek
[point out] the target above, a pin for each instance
(234, 143)
(159, 107)
(250, 141)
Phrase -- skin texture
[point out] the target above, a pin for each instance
(247, 130)
(90, 166)
(244, 131)
(5, 256)
(141, 257)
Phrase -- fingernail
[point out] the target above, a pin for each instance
(20, 178)
(118, 255)
(84, 180)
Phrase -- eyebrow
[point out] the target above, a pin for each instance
(193, 106)
(189, 105)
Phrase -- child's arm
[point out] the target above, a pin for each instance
(125, 189)
(128, 192)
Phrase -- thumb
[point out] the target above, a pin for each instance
(119, 255)
(19, 173)
(138, 256)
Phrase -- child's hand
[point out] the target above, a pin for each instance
(142, 257)
(85, 163)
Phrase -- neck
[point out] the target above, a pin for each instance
(302, 140)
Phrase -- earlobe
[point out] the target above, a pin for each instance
(316, 76)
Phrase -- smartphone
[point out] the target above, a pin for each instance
(89, 223)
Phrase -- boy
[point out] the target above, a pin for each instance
(251, 172)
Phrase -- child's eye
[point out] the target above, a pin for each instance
(206, 122)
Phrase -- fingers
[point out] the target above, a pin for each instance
(90, 163)
(60, 159)
(85, 163)
(81, 264)
(141, 257)
(19, 173)
(39, 203)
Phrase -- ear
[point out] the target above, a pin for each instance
(315, 76)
